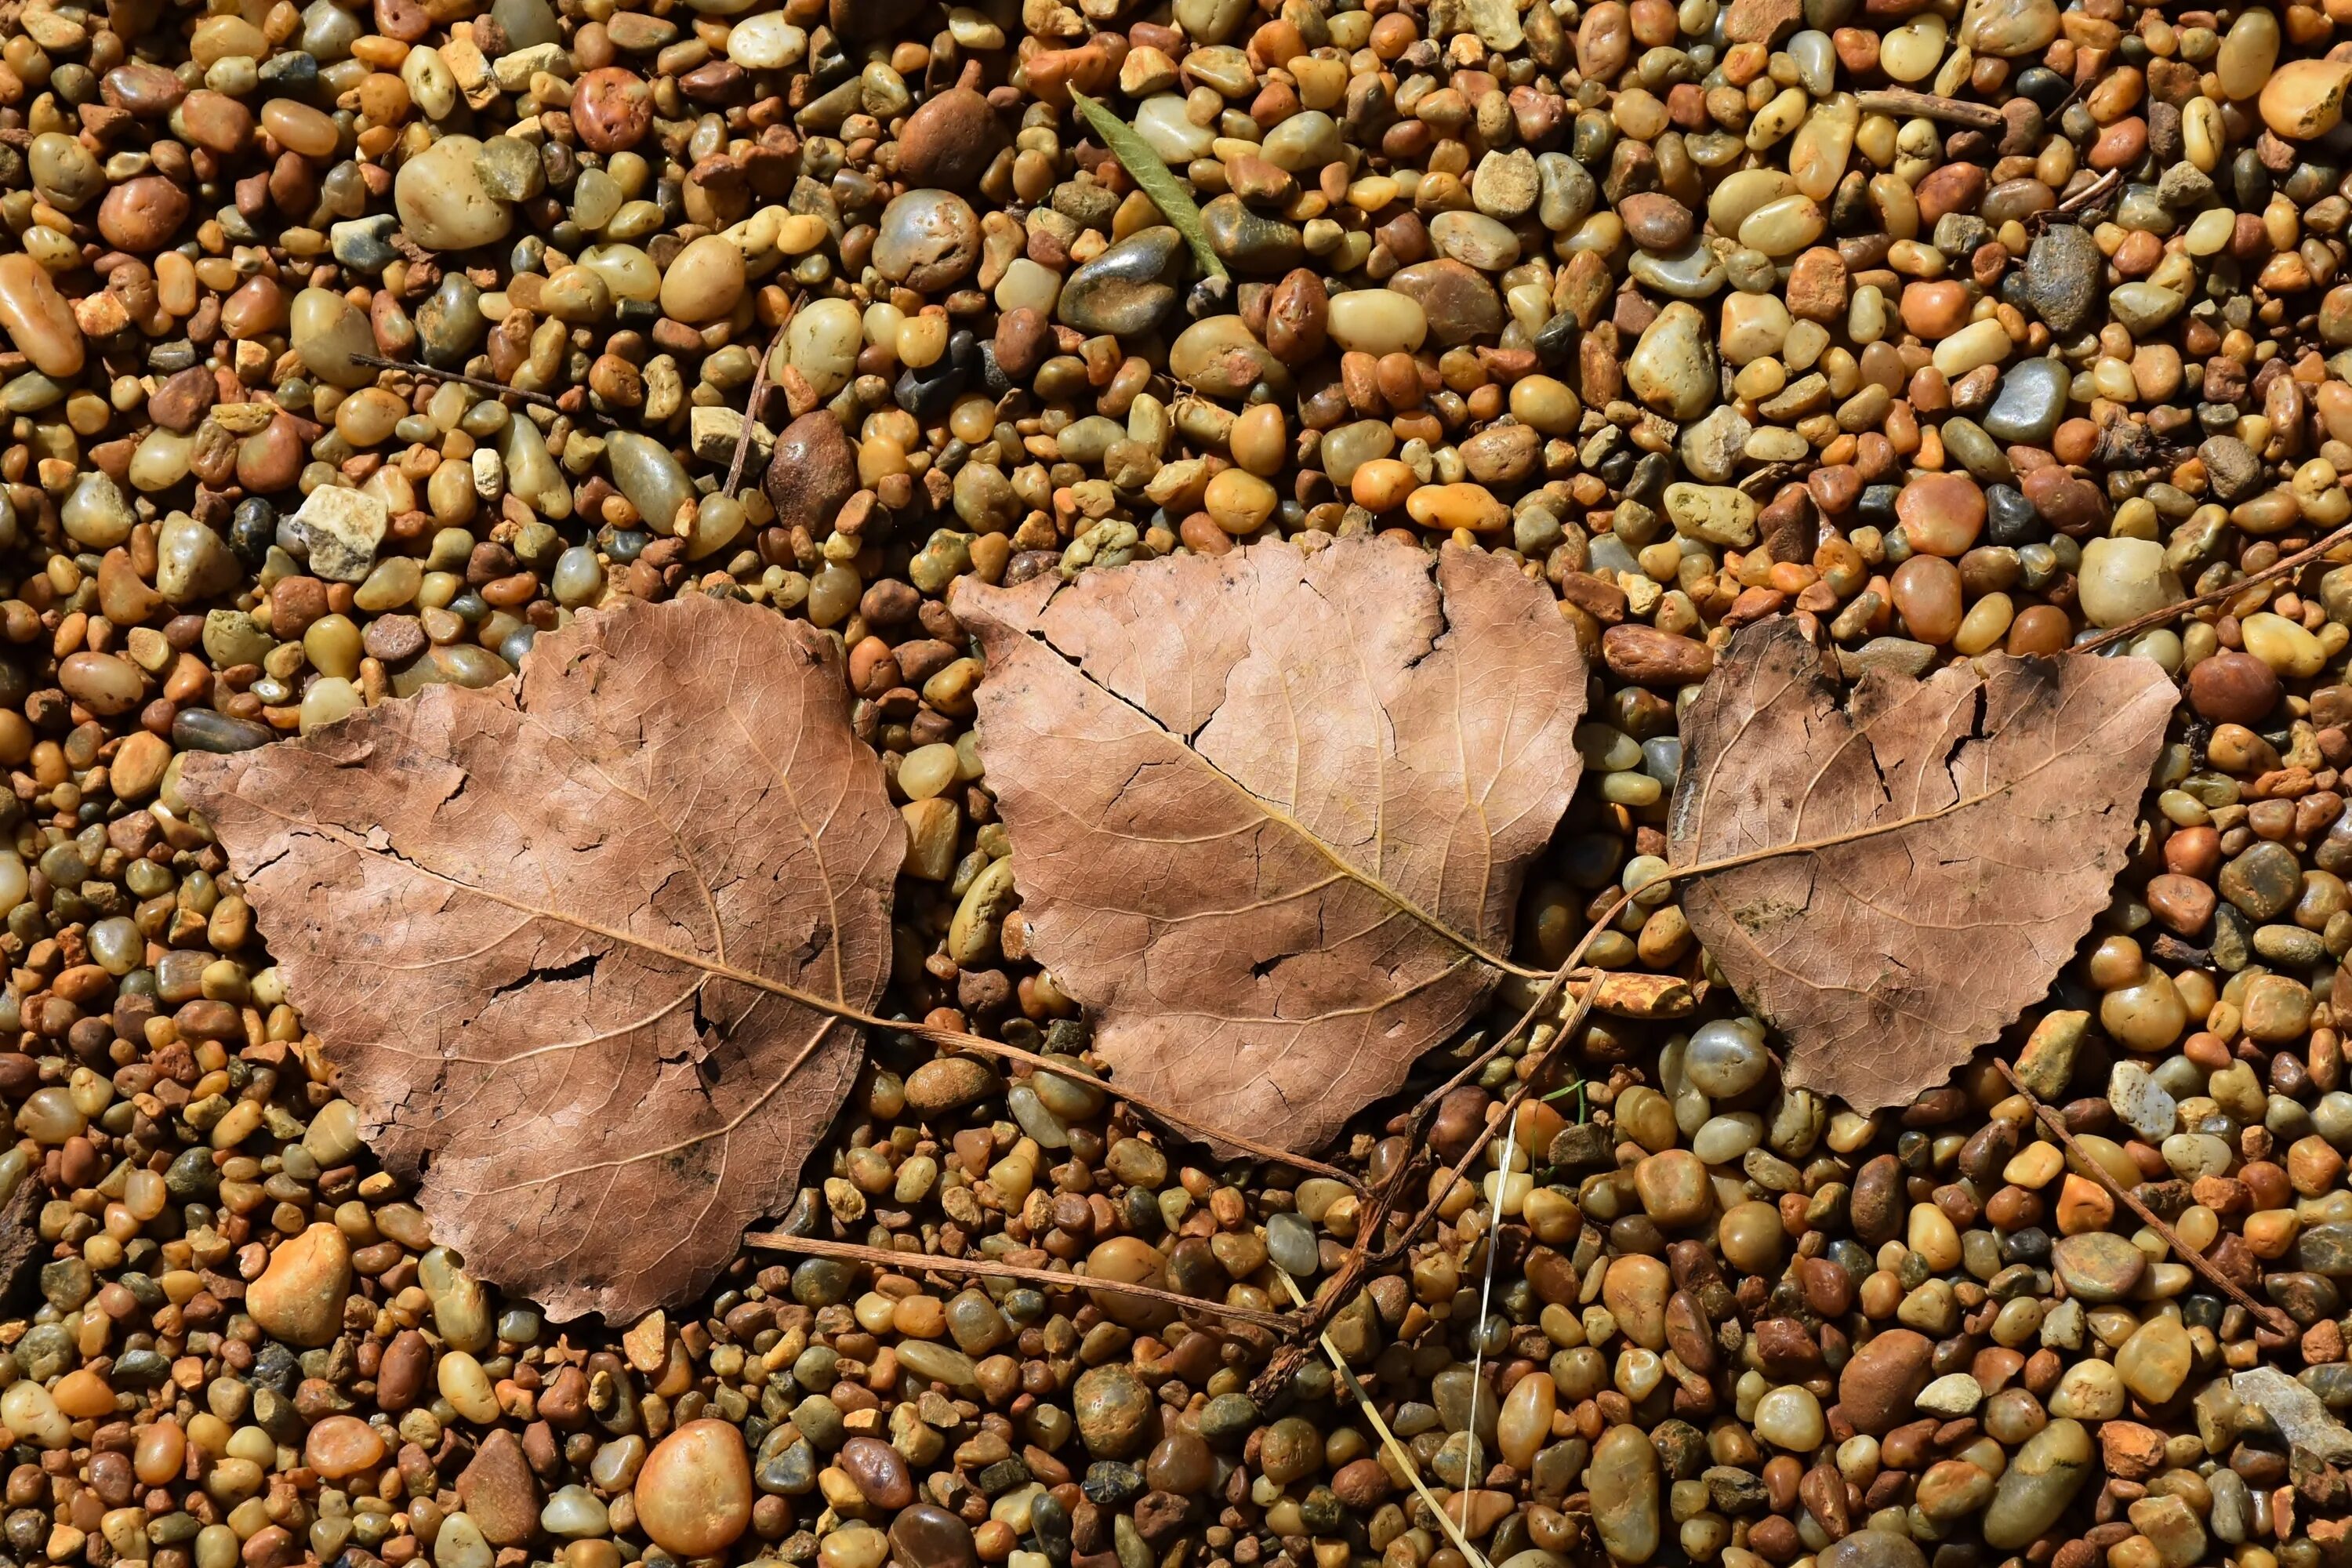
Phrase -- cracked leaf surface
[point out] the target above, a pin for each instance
(1999, 807)
(1268, 809)
(502, 911)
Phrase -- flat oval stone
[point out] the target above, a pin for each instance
(812, 471)
(1377, 322)
(2030, 402)
(1672, 367)
(1693, 271)
(1218, 355)
(2009, 29)
(704, 282)
(2098, 1265)
(694, 1494)
(38, 318)
(327, 329)
(1875, 1388)
(1248, 240)
(1474, 240)
(1623, 1478)
(879, 1471)
(655, 481)
(1303, 143)
(1126, 290)
(926, 1536)
(1458, 302)
(1873, 1549)
(950, 140)
(2039, 1485)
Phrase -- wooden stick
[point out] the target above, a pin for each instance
(2278, 568)
(2275, 1317)
(1928, 105)
(2090, 195)
(924, 1262)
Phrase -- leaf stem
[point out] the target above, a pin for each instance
(2169, 613)
(925, 1262)
(2273, 1316)
(1153, 177)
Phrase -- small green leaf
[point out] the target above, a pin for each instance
(1158, 181)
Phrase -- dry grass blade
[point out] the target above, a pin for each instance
(927, 1263)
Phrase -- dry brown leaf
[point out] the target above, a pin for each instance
(1270, 811)
(22, 1250)
(1918, 863)
(534, 925)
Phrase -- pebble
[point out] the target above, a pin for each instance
(1645, 296)
(443, 202)
(38, 318)
(1124, 292)
(813, 471)
(1623, 1478)
(694, 1494)
(2099, 1266)
(926, 239)
(2038, 1485)
(1672, 367)
(340, 530)
(1877, 1387)
(300, 1296)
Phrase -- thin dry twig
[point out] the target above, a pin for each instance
(1397, 1451)
(479, 383)
(1928, 105)
(2091, 195)
(924, 1262)
(997, 1049)
(2169, 613)
(1509, 1117)
(1347, 1279)
(2273, 1316)
(753, 405)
